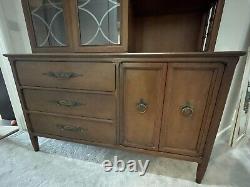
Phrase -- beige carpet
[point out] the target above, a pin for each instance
(66, 164)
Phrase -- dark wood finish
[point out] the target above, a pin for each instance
(195, 85)
(159, 7)
(74, 128)
(63, 102)
(34, 142)
(142, 83)
(89, 76)
(214, 28)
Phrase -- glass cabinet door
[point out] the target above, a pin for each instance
(99, 22)
(48, 23)
(77, 25)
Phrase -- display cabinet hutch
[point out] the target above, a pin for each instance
(138, 75)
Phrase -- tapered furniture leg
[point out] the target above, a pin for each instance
(201, 170)
(35, 144)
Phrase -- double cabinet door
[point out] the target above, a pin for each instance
(75, 25)
(168, 106)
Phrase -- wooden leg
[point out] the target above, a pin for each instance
(35, 144)
(201, 170)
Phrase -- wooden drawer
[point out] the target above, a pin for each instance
(71, 75)
(78, 104)
(92, 131)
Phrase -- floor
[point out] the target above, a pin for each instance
(60, 163)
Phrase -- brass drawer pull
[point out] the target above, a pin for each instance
(62, 75)
(187, 110)
(71, 129)
(142, 106)
(68, 103)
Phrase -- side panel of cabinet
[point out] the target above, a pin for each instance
(190, 96)
(142, 102)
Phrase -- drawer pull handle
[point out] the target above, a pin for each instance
(62, 75)
(71, 129)
(142, 106)
(187, 110)
(68, 103)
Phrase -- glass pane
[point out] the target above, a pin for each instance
(48, 22)
(99, 22)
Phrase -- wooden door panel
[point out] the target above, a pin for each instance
(191, 91)
(143, 85)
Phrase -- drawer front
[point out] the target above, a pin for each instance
(190, 96)
(92, 131)
(88, 76)
(78, 104)
(143, 87)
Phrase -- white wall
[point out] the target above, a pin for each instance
(13, 39)
(234, 35)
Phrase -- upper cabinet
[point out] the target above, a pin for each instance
(122, 25)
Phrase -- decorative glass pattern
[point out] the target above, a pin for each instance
(48, 22)
(99, 22)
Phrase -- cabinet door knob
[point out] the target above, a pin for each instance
(142, 106)
(187, 110)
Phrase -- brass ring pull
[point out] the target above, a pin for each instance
(142, 106)
(62, 75)
(187, 110)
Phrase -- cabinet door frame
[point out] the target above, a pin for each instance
(76, 33)
(218, 70)
(142, 66)
(31, 31)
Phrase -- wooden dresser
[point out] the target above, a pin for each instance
(137, 75)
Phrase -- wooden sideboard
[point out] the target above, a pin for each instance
(165, 104)
(138, 75)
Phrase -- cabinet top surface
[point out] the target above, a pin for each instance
(129, 55)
